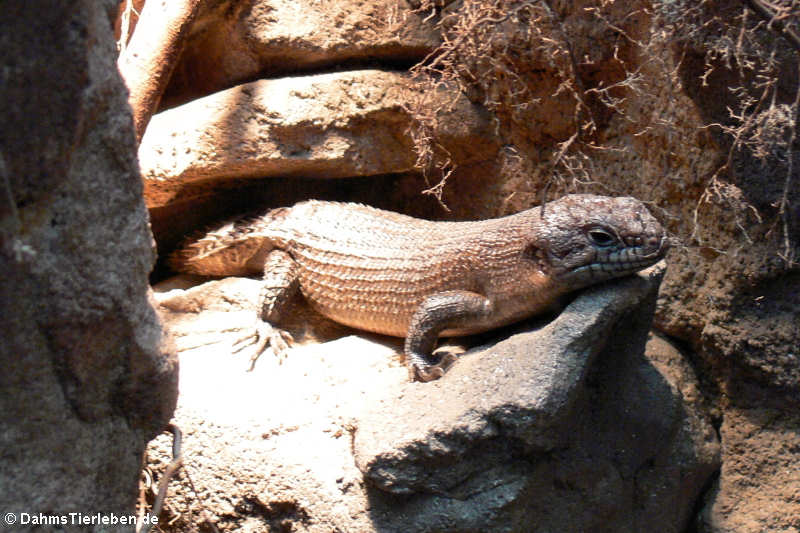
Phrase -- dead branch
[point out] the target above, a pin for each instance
(774, 20)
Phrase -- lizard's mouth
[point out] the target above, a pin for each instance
(633, 258)
(617, 262)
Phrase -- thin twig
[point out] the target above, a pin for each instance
(783, 209)
(172, 468)
(774, 20)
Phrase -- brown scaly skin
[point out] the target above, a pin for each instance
(397, 275)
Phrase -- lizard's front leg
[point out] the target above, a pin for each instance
(445, 310)
(280, 284)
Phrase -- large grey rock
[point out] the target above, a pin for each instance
(334, 125)
(567, 428)
(86, 381)
(520, 392)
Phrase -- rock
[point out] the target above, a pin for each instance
(222, 310)
(516, 437)
(268, 448)
(87, 377)
(335, 125)
(516, 395)
(759, 485)
(235, 42)
(733, 295)
(586, 435)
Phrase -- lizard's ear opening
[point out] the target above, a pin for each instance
(538, 255)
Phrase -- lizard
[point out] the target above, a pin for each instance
(393, 274)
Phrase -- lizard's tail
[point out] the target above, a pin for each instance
(235, 248)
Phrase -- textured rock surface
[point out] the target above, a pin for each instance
(86, 381)
(234, 42)
(760, 479)
(542, 421)
(328, 125)
(517, 396)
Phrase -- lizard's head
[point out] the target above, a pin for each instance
(585, 239)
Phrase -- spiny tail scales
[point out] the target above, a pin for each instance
(238, 247)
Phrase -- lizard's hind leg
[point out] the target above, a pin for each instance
(280, 284)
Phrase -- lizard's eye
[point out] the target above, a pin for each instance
(601, 237)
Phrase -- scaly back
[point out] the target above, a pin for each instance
(371, 269)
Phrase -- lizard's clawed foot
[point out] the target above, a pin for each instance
(262, 335)
(430, 372)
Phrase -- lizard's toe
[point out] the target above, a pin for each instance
(259, 337)
(433, 372)
(249, 337)
(281, 341)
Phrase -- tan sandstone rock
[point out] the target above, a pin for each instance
(234, 42)
(335, 125)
